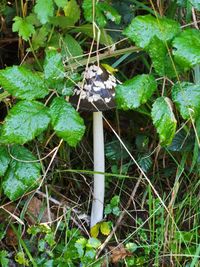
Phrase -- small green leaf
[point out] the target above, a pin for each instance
(4, 261)
(61, 3)
(161, 60)
(187, 98)
(143, 28)
(4, 160)
(72, 11)
(44, 10)
(24, 28)
(164, 120)
(71, 48)
(66, 121)
(23, 83)
(39, 37)
(93, 243)
(53, 66)
(131, 247)
(186, 48)
(134, 92)
(80, 245)
(105, 228)
(22, 176)
(20, 258)
(25, 121)
(109, 12)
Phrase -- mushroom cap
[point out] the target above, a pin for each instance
(96, 91)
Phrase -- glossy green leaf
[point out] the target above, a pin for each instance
(143, 28)
(4, 160)
(187, 98)
(44, 10)
(103, 12)
(25, 121)
(22, 176)
(72, 11)
(66, 121)
(87, 29)
(186, 48)
(161, 60)
(164, 120)
(134, 92)
(53, 65)
(23, 83)
(23, 26)
(61, 3)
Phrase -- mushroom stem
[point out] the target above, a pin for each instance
(99, 166)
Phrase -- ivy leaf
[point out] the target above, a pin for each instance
(4, 160)
(61, 3)
(187, 98)
(44, 10)
(186, 48)
(66, 121)
(53, 66)
(134, 92)
(25, 121)
(164, 120)
(72, 11)
(24, 27)
(22, 176)
(143, 28)
(23, 83)
(160, 58)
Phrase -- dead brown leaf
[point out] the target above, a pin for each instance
(118, 253)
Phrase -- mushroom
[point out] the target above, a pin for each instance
(96, 94)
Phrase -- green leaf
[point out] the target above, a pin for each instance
(24, 28)
(71, 48)
(134, 92)
(62, 22)
(164, 120)
(44, 10)
(187, 98)
(4, 261)
(196, 4)
(61, 3)
(145, 162)
(23, 83)
(94, 231)
(72, 11)
(109, 12)
(93, 243)
(40, 37)
(25, 121)
(80, 245)
(23, 173)
(87, 29)
(53, 66)
(66, 121)
(161, 60)
(4, 160)
(105, 228)
(20, 258)
(186, 47)
(143, 28)
(131, 247)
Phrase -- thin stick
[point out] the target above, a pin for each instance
(99, 166)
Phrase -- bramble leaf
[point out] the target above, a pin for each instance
(143, 28)
(187, 48)
(72, 11)
(39, 37)
(53, 66)
(25, 121)
(134, 92)
(66, 121)
(24, 27)
(44, 10)
(4, 160)
(187, 98)
(164, 120)
(23, 83)
(23, 173)
(61, 3)
(71, 48)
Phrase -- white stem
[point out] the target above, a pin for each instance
(99, 166)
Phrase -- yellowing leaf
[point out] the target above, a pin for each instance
(105, 228)
(94, 231)
(109, 68)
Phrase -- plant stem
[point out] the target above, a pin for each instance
(99, 166)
